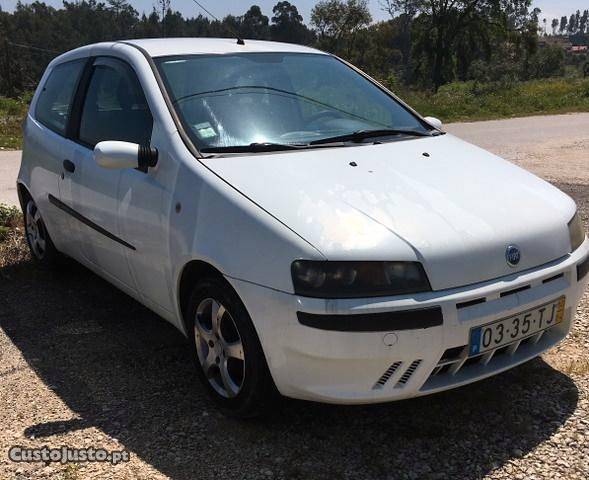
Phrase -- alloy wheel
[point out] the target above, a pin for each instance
(219, 348)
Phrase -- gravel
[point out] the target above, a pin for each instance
(82, 364)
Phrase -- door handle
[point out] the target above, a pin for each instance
(69, 166)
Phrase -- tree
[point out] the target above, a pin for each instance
(117, 6)
(405, 11)
(125, 17)
(563, 24)
(287, 25)
(583, 22)
(554, 25)
(149, 26)
(200, 26)
(338, 21)
(378, 51)
(425, 42)
(175, 24)
(230, 25)
(163, 6)
(441, 23)
(547, 62)
(572, 25)
(399, 7)
(254, 24)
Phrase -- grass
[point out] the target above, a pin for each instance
(455, 102)
(9, 215)
(12, 113)
(71, 472)
(13, 246)
(471, 101)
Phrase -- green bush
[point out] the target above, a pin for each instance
(546, 63)
(9, 216)
(466, 101)
(12, 114)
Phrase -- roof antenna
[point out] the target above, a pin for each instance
(237, 35)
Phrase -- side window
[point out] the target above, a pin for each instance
(55, 100)
(115, 107)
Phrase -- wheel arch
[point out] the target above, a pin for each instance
(191, 273)
(23, 194)
(194, 271)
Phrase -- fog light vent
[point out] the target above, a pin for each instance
(387, 375)
(408, 374)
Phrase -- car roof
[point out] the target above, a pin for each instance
(158, 47)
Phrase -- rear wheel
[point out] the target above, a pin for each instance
(227, 351)
(42, 249)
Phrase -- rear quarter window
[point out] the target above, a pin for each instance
(55, 100)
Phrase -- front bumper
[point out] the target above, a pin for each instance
(369, 367)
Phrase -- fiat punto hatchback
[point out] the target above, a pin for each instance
(306, 230)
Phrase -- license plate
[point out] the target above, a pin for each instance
(508, 330)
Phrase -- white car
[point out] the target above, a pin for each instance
(307, 231)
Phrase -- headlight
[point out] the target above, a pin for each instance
(357, 279)
(576, 232)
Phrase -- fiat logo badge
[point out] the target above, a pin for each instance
(513, 255)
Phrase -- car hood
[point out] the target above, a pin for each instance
(448, 204)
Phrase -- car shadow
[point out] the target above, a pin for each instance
(122, 369)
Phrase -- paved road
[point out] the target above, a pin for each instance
(9, 165)
(554, 147)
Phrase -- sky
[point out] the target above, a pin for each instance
(550, 8)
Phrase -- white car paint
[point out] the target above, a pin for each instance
(250, 216)
(455, 210)
(115, 154)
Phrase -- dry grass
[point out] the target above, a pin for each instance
(71, 472)
(10, 216)
(13, 247)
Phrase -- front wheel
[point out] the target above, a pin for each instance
(229, 358)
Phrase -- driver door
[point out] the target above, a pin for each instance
(114, 108)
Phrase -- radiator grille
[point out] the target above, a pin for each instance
(456, 359)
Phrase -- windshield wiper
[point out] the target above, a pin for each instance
(260, 147)
(360, 135)
(255, 147)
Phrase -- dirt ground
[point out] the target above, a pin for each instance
(82, 364)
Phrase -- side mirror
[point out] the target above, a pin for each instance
(114, 154)
(434, 122)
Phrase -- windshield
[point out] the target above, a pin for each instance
(236, 100)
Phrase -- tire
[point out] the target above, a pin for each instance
(42, 249)
(228, 355)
